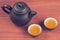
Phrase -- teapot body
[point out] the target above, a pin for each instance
(19, 19)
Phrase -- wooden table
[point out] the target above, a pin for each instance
(44, 9)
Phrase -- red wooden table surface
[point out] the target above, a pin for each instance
(44, 8)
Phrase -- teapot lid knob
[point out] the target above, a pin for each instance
(21, 7)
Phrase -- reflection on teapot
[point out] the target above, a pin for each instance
(20, 13)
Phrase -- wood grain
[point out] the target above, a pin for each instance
(44, 9)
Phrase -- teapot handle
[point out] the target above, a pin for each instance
(4, 7)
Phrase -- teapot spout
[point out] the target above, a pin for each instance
(32, 13)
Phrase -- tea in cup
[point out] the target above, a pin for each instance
(50, 23)
(34, 29)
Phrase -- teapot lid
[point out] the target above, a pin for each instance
(21, 8)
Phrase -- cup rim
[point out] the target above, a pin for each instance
(37, 26)
(52, 19)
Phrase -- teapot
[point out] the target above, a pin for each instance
(20, 13)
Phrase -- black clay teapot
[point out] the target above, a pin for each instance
(20, 13)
